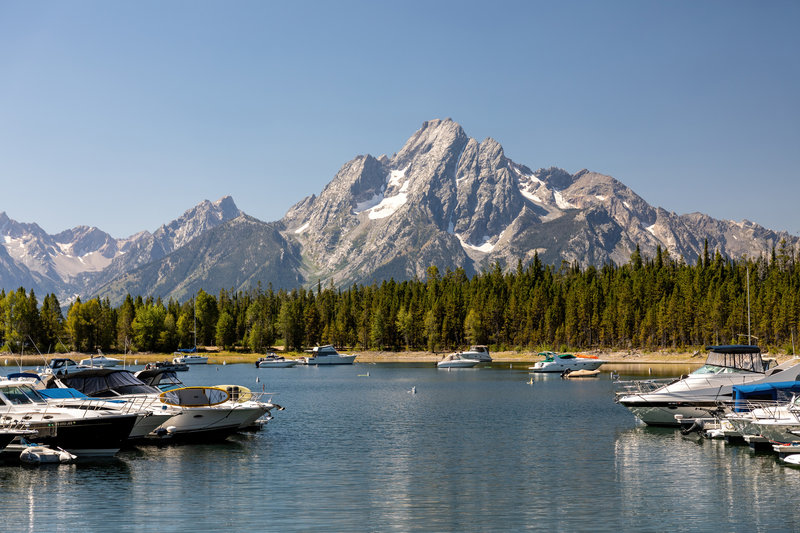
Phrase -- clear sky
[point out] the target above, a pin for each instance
(122, 115)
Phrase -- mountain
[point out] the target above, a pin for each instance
(449, 200)
(78, 261)
(444, 199)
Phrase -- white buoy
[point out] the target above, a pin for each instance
(135, 361)
(257, 379)
(224, 363)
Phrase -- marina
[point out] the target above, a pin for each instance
(378, 447)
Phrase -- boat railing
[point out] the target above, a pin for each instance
(761, 409)
(639, 386)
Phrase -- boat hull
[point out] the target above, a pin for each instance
(85, 437)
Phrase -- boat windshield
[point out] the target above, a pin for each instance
(728, 362)
(21, 394)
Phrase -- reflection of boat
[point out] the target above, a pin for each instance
(326, 355)
(554, 362)
(456, 360)
(275, 361)
(79, 431)
(656, 403)
(479, 352)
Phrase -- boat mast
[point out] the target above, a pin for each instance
(748, 306)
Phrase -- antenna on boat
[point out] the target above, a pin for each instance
(748, 306)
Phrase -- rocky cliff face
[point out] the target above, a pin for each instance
(449, 200)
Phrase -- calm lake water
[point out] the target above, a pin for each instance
(472, 450)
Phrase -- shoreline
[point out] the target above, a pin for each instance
(616, 357)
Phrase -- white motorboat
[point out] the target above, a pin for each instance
(203, 413)
(457, 360)
(275, 361)
(326, 355)
(555, 362)
(82, 432)
(100, 361)
(189, 359)
(479, 352)
(656, 402)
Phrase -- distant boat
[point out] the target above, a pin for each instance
(554, 362)
(189, 359)
(275, 361)
(479, 352)
(100, 361)
(457, 360)
(326, 355)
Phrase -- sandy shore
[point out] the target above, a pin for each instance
(629, 356)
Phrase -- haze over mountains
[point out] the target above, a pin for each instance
(444, 199)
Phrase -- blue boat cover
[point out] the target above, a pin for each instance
(781, 390)
(58, 394)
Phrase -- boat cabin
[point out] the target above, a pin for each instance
(102, 383)
(734, 358)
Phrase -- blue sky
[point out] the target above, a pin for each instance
(122, 115)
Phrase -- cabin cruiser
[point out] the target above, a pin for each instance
(457, 360)
(275, 361)
(189, 359)
(657, 403)
(82, 432)
(554, 362)
(326, 355)
(199, 413)
(251, 411)
(479, 352)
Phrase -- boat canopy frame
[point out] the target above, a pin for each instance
(736, 356)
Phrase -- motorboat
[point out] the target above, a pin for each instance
(203, 413)
(326, 355)
(82, 432)
(555, 362)
(275, 361)
(60, 365)
(189, 359)
(99, 361)
(656, 402)
(479, 352)
(168, 365)
(457, 360)
(252, 409)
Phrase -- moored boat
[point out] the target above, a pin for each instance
(457, 360)
(275, 361)
(555, 362)
(656, 402)
(326, 355)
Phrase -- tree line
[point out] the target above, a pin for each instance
(647, 303)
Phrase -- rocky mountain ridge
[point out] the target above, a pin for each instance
(444, 199)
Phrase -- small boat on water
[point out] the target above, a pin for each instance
(326, 355)
(457, 360)
(46, 455)
(555, 362)
(189, 359)
(575, 374)
(100, 361)
(275, 361)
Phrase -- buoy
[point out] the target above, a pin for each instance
(224, 363)
(135, 361)
(257, 379)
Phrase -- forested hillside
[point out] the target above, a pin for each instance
(648, 303)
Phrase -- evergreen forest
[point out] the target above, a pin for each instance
(648, 303)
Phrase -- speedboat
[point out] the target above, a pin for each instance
(60, 365)
(275, 361)
(82, 432)
(457, 360)
(657, 403)
(479, 352)
(326, 355)
(555, 362)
